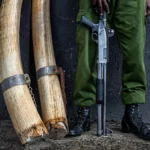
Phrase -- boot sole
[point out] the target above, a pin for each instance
(73, 134)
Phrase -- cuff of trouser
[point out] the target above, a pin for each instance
(133, 97)
(86, 103)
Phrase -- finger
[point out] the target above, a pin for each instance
(106, 6)
(148, 10)
(100, 8)
(94, 2)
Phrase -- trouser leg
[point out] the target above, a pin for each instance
(84, 89)
(129, 24)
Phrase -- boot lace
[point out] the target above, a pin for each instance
(137, 120)
(81, 116)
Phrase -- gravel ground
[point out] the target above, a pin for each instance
(88, 141)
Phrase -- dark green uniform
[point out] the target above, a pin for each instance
(128, 20)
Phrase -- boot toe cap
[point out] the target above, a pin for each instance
(75, 132)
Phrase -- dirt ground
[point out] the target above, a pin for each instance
(88, 141)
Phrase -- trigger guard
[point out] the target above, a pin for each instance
(95, 37)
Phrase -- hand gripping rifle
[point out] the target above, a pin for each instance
(100, 34)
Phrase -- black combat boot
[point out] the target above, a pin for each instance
(131, 122)
(81, 122)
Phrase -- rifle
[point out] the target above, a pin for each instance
(100, 34)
